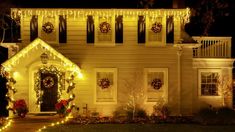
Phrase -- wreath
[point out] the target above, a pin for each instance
(105, 27)
(104, 83)
(48, 27)
(156, 27)
(48, 82)
(156, 83)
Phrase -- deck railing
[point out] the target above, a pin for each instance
(213, 47)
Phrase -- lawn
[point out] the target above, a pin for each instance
(140, 128)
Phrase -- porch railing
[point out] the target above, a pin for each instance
(213, 47)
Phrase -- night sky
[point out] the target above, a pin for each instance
(85, 3)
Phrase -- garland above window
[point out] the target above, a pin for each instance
(48, 27)
(104, 83)
(156, 83)
(105, 27)
(156, 27)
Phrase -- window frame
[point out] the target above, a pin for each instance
(156, 43)
(56, 27)
(114, 95)
(200, 81)
(163, 90)
(96, 28)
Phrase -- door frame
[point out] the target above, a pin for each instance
(33, 68)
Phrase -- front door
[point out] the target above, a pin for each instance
(49, 86)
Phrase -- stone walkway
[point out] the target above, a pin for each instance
(31, 123)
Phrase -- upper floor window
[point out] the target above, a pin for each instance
(105, 30)
(155, 31)
(48, 29)
(208, 82)
(52, 29)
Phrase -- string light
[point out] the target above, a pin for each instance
(70, 66)
(7, 124)
(77, 13)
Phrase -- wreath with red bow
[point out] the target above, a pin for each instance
(48, 82)
(156, 27)
(48, 27)
(105, 27)
(104, 83)
(156, 83)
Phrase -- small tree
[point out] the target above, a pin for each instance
(135, 94)
(224, 85)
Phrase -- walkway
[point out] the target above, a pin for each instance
(31, 123)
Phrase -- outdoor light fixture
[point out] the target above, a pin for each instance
(44, 58)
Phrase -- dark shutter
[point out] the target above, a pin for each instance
(90, 30)
(33, 27)
(62, 29)
(3, 88)
(170, 29)
(119, 30)
(141, 29)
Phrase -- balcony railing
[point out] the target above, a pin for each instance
(213, 47)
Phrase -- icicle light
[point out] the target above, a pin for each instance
(77, 13)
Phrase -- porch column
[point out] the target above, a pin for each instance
(179, 53)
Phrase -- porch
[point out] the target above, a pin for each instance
(213, 47)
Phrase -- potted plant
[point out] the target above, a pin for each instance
(62, 108)
(20, 107)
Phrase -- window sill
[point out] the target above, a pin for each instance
(206, 97)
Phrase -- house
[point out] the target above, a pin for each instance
(118, 56)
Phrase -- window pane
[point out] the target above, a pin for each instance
(209, 83)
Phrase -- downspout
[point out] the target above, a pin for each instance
(179, 53)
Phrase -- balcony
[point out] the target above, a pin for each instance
(213, 47)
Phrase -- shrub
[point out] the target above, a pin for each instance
(209, 116)
(162, 111)
(62, 108)
(226, 115)
(20, 107)
(141, 113)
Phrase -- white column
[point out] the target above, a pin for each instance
(179, 53)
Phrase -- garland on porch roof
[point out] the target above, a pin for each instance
(37, 85)
(10, 86)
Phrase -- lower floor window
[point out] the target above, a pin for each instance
(209, 83)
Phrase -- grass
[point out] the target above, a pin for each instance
(140, 128)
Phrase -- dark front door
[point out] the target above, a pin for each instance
(49, 86)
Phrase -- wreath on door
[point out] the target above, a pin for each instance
(48, 82)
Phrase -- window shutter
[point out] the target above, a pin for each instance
(170, 29)
(119, 30)
(141, 29)
(33, 27)
(90, 29)
(62, 29)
